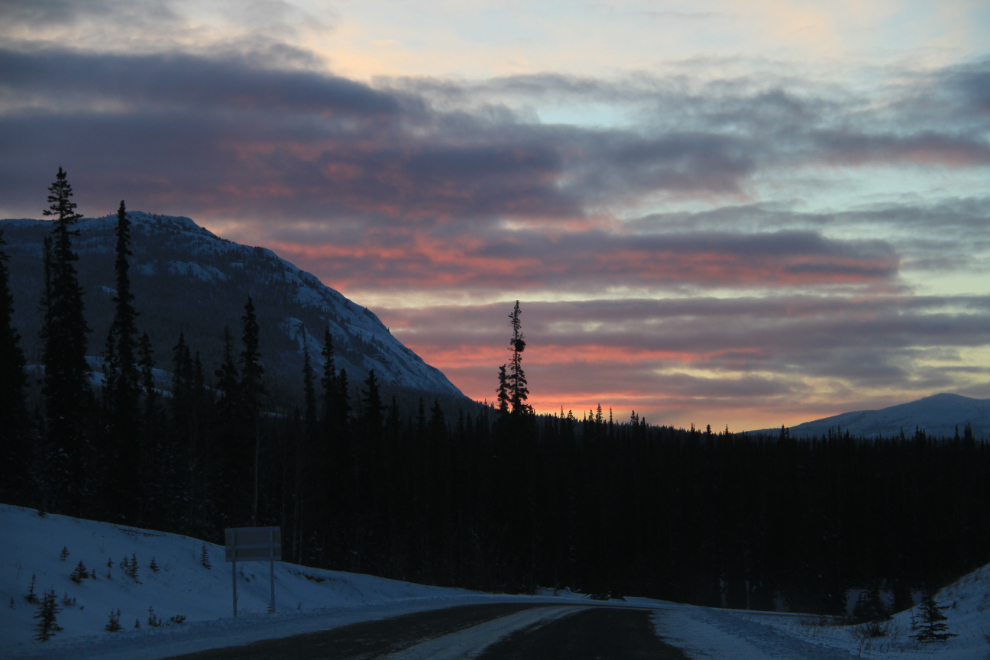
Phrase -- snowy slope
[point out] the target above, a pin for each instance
(186, 279)
(741, 635)
(937, 415)
(182, 586)
(308, 600)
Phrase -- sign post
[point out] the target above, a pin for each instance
(253, 544)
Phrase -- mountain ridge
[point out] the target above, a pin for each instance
(938, 415)
(188, 280)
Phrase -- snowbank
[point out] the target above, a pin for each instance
(182, 586)
(309, 600)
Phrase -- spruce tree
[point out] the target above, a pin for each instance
(15, 438)
(113, 625)
(368, 446)
(122, 385)
(46, 615)
(516, 379)
(252, 389)
(372, 405)
(227, 381)
(147, 364)
(234, 458)
(66, 386)
(304, 456)
(332, 454)
(155, 479)
(329, 380)
(503, 391)
(309, 396)
(931, 626)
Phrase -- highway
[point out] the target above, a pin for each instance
(500, 631)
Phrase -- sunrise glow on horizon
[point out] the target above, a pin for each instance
(741, 214)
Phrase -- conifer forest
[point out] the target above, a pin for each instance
(495, 497)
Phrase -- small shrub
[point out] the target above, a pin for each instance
(177, 619)
(68, 602)
(30, 597)
(872, 630)
(65, 553)
(870, 607)
(153, 620)
(80, 573)
(132, 568)
(113, 625)
(137, 623)
(46, 615)
(204, 558)
(110, 562)
(315, 578)
(153, 566)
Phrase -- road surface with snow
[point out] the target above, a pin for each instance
(487, 632)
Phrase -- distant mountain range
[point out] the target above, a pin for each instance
(939, 415)
(187, 280)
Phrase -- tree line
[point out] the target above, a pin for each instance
(498, 498)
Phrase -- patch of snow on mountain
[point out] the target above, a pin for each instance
(937, 415)
(204, 273)
(305, 340)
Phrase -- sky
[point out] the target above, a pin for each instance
(735, 213)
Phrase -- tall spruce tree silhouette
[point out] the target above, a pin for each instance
(15, 459)
(66, 388)
(122, 385)
(516, 379)
(252, 389)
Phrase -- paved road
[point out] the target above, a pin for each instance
(498, 631)
(595, 633)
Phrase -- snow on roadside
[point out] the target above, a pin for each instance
(310, 600)
(718, 634)
(181, 587)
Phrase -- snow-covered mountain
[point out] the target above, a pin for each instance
(939, 415)
(187, 280)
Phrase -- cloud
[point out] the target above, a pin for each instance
(493, 259)
(712, 354)
(417, 186)
(336, 149)
(183, 81)
(46, 13)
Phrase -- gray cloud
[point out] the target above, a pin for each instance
(45, 13)
(335, 148)
(183, 81)
(759, 346)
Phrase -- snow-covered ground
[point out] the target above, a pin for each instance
(716, 634)
(309, 600)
